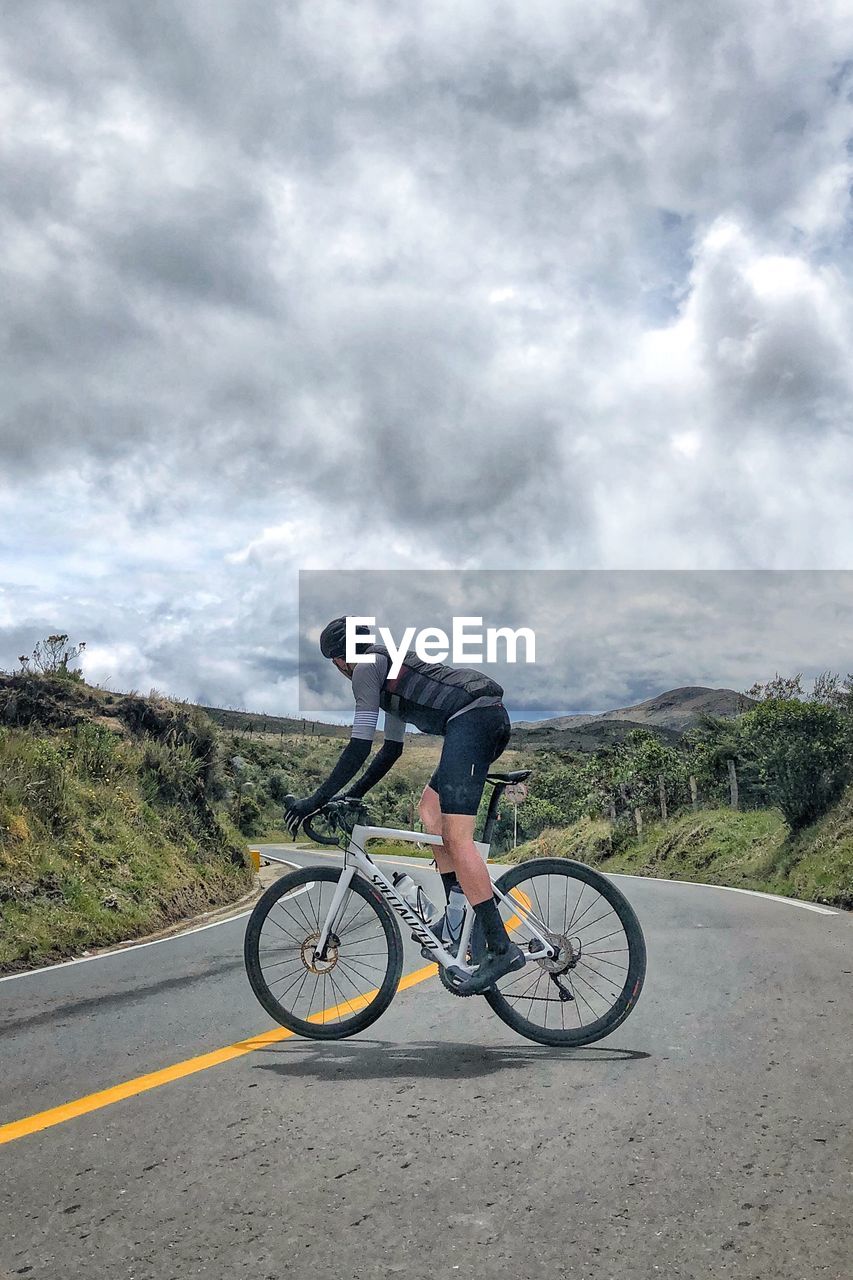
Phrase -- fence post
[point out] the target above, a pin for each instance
(694, 794)
(662, 791)
(612, 809)
(733, 789)
(638, 823)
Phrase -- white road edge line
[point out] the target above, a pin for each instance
(137, 946)
(730, 888)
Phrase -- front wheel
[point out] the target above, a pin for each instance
(342, 992)
(597, 973)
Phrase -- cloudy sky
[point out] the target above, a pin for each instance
(368, 285)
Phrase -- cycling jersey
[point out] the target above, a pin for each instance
(426, 694)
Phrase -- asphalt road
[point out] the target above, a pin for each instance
(710, 1136)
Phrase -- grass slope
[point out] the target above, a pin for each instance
(750, 850)
(107, 833)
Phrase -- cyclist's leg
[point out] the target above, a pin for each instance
(457, 830)
(431, 819)
(501, 954)
(472, 741)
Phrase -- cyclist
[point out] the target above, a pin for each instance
(462, 705)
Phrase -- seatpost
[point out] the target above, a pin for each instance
(492, 812)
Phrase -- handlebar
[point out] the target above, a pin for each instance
(317, 836)
(341, 815)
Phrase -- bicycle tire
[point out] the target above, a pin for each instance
(636, 970)
(383, 994)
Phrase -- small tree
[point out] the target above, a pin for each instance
(647, 761)
(51, 657)
(828, 688)
(779, 689)
(802, 754)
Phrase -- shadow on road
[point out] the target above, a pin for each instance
(141, 989)
(429, 1060)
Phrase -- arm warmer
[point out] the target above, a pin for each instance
(349, 762)
(378, 767)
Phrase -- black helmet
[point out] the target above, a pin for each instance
(333, 638)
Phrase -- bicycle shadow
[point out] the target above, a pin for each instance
(425, 1060)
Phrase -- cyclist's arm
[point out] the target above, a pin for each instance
(367, 683)
(366, 686)
(349, 762)
(388, 754)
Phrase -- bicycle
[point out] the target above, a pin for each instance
(333, 933)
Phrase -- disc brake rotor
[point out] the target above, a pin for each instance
(568, 954)
(312, 961)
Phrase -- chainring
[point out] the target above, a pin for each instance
(447, 983)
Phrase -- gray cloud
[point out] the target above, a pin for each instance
(603, 639)
(315, 286)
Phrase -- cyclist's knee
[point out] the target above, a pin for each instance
(458, 836)
(429, 809)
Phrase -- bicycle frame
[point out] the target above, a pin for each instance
(356, 859)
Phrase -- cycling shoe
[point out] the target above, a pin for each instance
(493, 965)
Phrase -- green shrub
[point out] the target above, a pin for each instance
(277, 786)
(801, 753)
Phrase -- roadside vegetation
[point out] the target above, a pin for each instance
(263, 768)
(761, 801)
(114, 819)
(122, 814)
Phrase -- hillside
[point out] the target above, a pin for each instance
(113, 821)
(677, 709)
(252, 722)
(589, 735)
(259, 724)
(751, 850)
(667, 716)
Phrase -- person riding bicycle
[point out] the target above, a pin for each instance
(465, 707)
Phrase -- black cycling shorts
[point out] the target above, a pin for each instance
(472, 741)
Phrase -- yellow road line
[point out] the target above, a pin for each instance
(524, 902)
(154, 1079)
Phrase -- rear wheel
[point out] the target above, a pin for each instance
(341, 993)
(596, 977)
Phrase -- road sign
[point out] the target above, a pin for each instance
(516, 792)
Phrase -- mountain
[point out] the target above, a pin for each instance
(667, 715)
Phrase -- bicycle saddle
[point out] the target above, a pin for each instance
(518, 776)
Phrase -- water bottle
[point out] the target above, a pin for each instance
(454, 918)
(413, 895)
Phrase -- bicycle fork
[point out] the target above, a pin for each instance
(333, 915)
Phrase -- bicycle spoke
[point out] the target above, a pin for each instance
(282, 928)
(295, 899)
(599, 954)
(580, 978)
(344, 998)
(573, 923)
(605, 937)
(365, 977)
(590, 923)
(579, 995)
(536, 988)
(588, 979)
(275, 963)
(607, 977)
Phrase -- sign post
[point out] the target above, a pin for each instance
(516, 793)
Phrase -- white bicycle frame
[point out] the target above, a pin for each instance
(357, 860)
